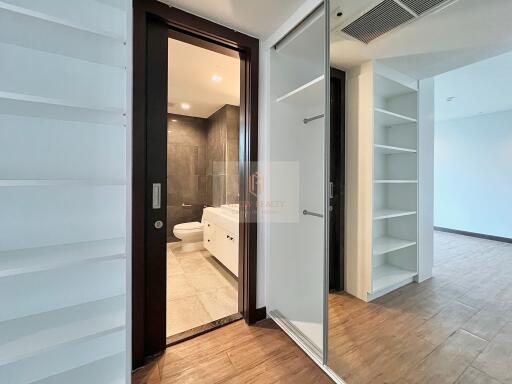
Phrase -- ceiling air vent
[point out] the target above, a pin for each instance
(379, 20)
(422, 6)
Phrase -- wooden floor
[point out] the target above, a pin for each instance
(236, 353)
(454, 328)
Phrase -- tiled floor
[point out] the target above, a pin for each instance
(199, 290)
(454, 328)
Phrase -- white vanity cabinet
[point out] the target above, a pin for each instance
(222, 244)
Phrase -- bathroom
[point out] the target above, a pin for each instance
(203, 144)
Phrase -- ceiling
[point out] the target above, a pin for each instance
(465, 32)
(258, 18)
(191, 70)
(479, 88)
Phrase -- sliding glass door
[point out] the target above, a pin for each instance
(296, 176)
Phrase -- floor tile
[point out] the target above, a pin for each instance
(445, 364)
(474, 376)
(220, 302)
(184, 314)
(496, 360)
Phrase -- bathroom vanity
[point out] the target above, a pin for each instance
(220, 238)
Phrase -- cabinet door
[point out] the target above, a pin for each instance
(209, 237)
(229, 254)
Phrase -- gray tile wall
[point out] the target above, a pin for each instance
(223, 154)
(202, 164)
(186, 170)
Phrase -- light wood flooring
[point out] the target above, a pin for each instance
(454, 328)
(236, 353)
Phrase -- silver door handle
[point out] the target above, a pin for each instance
(186, 205)
(308, 213)
(157, 195)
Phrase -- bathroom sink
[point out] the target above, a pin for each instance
(222, 217)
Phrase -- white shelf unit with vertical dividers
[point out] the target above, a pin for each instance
(383, 125)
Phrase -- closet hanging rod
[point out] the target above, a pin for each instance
(309, 119)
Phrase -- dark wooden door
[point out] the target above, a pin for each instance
(337, 190)
(156, 186)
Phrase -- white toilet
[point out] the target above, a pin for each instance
(191, 236)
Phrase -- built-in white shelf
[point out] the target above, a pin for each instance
(13, 11)
(386, 275)
(36, 106)
(107, 370)
(395, 181)
(390, 150)
(382, 214)
(388, 118)
(307, 94)
(382, 245)
(39, 334)
(32, 260)
(57, 183)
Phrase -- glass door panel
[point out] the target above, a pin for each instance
(297, 178)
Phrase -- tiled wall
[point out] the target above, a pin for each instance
(202, 164)
(186, 170)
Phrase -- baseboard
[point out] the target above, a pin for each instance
(260, 314)
(473, 234)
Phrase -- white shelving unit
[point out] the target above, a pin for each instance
(382, 197)
(64, 136)
(394, 228)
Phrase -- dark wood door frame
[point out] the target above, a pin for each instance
(337, 172)
(147, 303)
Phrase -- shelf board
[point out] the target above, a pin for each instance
(30, 260)
(391, 213)
(385, 276)
(36, 106)
(13, 10)
(390, 150)
(30, 336)
(382, 245)
(389, 88)
(306, 94)
(63, 182)
(105, 370)
(388, 118)
(381, 181)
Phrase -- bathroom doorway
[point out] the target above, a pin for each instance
(180, 204)
(203, 152)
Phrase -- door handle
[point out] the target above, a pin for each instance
(157, 195)
(308, 213)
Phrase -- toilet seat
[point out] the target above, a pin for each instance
(193, 226)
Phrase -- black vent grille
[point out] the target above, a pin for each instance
(379, 20)
(422, 6)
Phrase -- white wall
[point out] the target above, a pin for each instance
(473, 174)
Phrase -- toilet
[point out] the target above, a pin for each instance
(191, 236)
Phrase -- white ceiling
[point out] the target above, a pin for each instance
(191, 69)
(479, 88)
(258, 18)
(465, 32)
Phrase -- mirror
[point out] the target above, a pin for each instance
(418, 116)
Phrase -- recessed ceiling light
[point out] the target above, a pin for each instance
(217, 78)
(174, 120)
(185, 106)
(451, 98)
